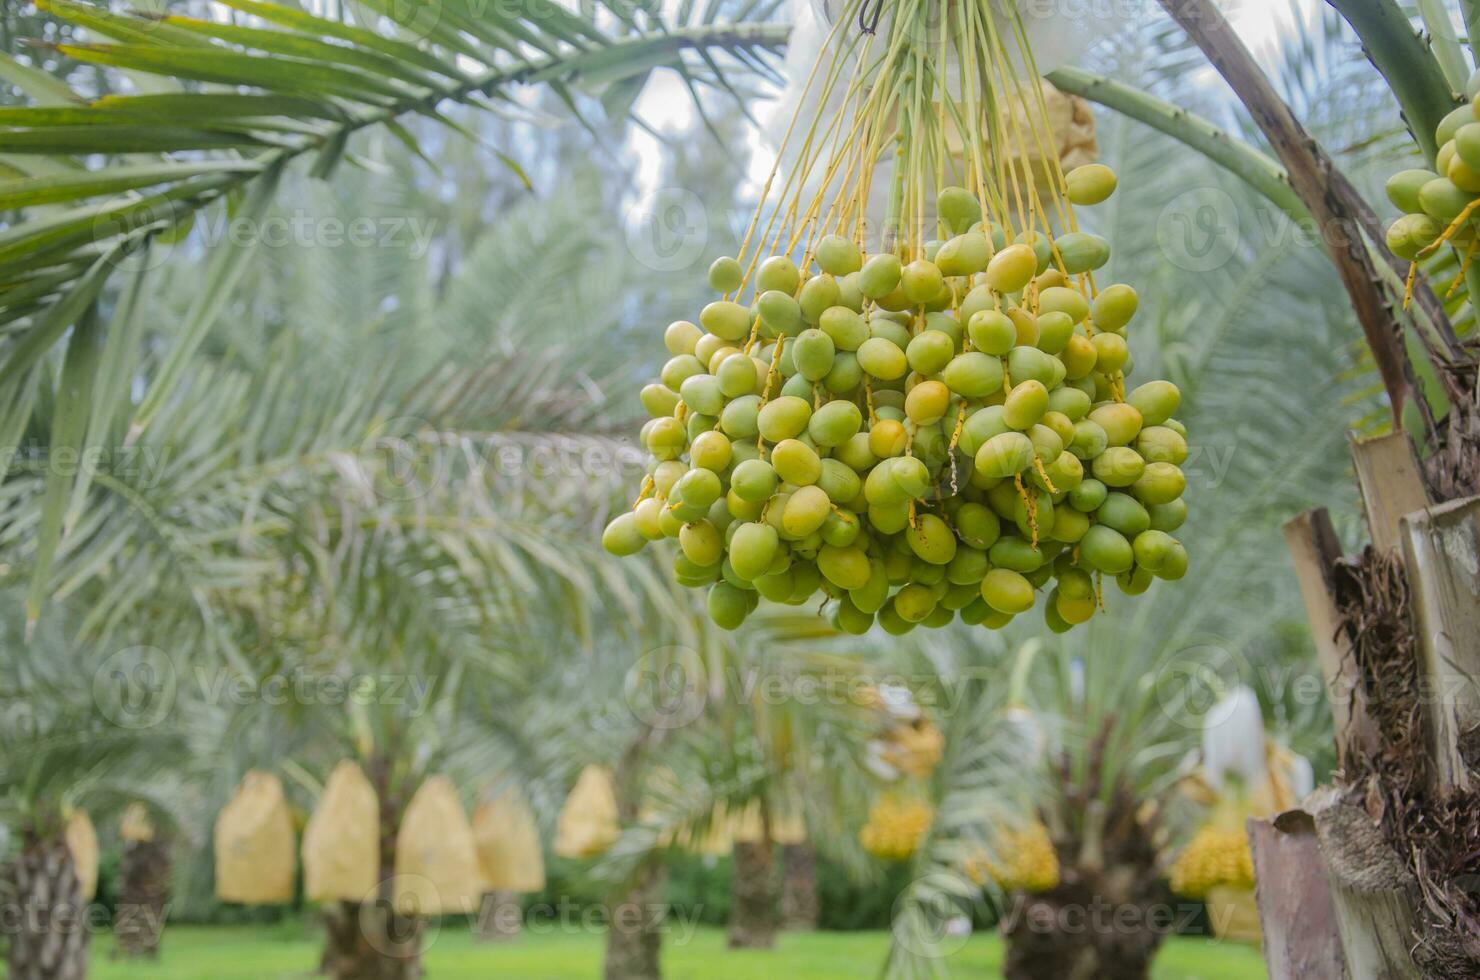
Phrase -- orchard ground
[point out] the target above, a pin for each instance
(279, 952)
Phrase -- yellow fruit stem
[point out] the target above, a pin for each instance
(1038, 465)
(834, 69)
(956, 438)
(760, 440)
(1454, 228)
(755, 333)
(648, 486)
(1464, 269)
(1029, 504)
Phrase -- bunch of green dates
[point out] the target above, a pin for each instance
(1432, 202)
(918, 440)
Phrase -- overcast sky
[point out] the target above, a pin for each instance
(666, 105)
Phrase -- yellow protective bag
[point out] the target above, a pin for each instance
(134, 826)
(254, 842)
(341, 844)
(437, 869)
(589, 822)
(82, 841)
(785, 827)
(508, 843)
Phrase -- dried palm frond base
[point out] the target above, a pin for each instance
(1454, 471)
(1099, 923)
(1385, 828)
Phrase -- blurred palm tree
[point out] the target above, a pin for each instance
(760, 740)
(364, 475)
(63, 749)
(297, 87)
(375, 481)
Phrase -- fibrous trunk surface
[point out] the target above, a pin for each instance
(48, 931)
(371, 942)
(143, 899)
(756, 897)
(500, 918)
(633, 947)
(1429, 843)
(799, 887)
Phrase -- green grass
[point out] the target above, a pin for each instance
(281, 952)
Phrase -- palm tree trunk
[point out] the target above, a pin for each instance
(1061, 935)
(633, 947)
(1108, 915)
(755, 896)
(48, 932)
(371, 942)
(799, 887)
(143, 898)
(500, 917)
(375, 942)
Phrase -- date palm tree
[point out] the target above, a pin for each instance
(244, 94)
(299, 506)
(66, 744)
(145, 870)
(231, 106)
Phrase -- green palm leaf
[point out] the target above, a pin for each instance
(300, 85)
